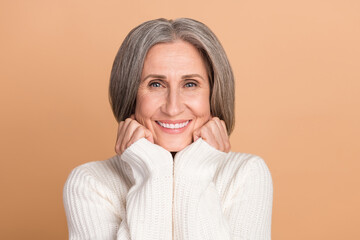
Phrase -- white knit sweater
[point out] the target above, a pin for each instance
(146, 194)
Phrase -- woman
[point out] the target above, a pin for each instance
(174, 177)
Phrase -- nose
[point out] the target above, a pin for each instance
(173, 104)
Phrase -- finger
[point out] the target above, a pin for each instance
(139, 132)
(228, 147)
(118, 141)
(222, 132)
(224, 125)
(119, 128)
(227, 142)
(199, 133)
(217, 134)
(196, 134)
(218, 138)
(122, 132)
(130, 129)
(148, 135)
(219, 125)
(136, 135)
(225, 137)
(207, 133)
(202, 132)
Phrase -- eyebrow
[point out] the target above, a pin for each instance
(155, 76)
(164, 77)
(192, 76)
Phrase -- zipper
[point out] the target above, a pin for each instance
(173, 198)
(172, 208)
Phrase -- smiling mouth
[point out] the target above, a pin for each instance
(173, 125)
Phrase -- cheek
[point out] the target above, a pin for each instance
(143, 108)
(201, 107)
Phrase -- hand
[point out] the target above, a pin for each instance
(130, 131)
(214, 133)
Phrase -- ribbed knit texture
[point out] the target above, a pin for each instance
(145, 194)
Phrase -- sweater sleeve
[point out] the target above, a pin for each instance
(149, 200)
(89, 210)
(91, 213)
(199, 211)
(250, 207)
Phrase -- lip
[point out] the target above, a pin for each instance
(173, 130)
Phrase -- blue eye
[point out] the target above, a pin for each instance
(190, 84)
(155, 84)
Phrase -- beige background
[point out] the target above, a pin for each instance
(297, 103)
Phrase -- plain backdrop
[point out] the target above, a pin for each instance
(297, 69)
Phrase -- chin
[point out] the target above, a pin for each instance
(174, 146)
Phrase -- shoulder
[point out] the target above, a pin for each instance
(101, 177)
(240, 169)
(245, 162)
(242, 163)
(95, 170)
(94, 198)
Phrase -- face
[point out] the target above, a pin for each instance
(173, 96)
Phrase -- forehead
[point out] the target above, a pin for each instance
(174, 56)
(177, 46)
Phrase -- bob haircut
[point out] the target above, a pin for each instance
(128, 64)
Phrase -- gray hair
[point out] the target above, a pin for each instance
(129, 61)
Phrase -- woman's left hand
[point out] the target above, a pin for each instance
(214, 133)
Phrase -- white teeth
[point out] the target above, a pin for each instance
(173, 126)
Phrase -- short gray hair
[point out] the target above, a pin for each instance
(129, 61)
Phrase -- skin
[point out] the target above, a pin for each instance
(174, 89)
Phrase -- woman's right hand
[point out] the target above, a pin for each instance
(130, 131)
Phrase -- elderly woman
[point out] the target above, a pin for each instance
(174, 177)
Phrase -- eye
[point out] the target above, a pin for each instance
(155, 84)
(190, 84)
